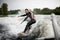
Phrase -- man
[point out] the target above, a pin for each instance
(32, 20)
(35, 33)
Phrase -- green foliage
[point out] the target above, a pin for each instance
(57, 11)
(0, 11)
(36, 11)
(47, 11)
(4, 9)
(13, 11)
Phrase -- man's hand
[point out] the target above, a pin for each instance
(22, 33)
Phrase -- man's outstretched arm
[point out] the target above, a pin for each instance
(22, 15)
(24, 20)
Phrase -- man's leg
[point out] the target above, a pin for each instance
(28, 26)
(30, 23)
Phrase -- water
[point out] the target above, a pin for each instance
(12, 24)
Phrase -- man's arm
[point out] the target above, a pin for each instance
(23, 15)
(24, 20)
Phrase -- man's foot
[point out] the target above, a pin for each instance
(22, 33)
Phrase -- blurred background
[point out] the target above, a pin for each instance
(36, 6)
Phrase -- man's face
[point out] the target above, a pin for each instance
(26, 11)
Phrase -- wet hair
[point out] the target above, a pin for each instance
(26, 9)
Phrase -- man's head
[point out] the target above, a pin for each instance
(26, 11)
